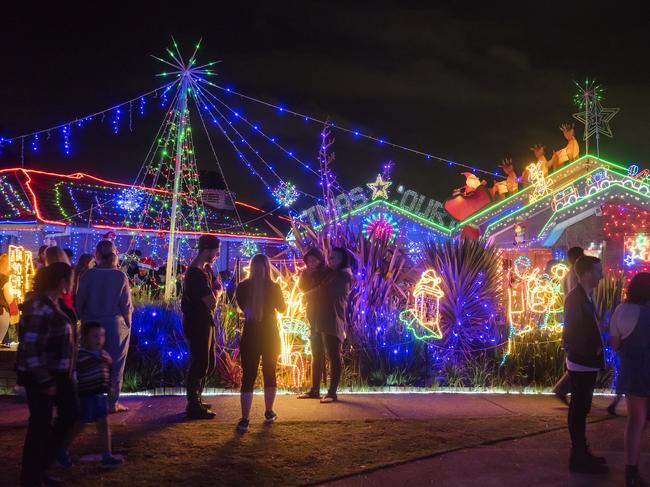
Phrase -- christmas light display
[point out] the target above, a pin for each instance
(131, 199)
(249, 248)
(285, 194)
(423, 319)
(637, 250)
(541, 184)
(21, 271)
(380, 227)
(379, 188)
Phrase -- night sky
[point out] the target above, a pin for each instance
(470, 84)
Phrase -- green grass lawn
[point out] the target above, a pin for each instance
(287, 453)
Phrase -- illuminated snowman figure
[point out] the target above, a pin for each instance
(423, 319)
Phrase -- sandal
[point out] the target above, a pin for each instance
(309, 395)
(328, 399)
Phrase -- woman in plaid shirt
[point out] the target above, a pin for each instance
(44, 367)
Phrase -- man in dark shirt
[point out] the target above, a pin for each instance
(198, 304)
(584, 358)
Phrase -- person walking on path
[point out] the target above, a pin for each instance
(584, 359)
(104, 296)
(311, 278)
(630, 335)
(198, 305)
(45, 361)
(331, 300)
(260, 299)
(563, 386)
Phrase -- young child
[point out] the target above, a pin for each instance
(93, 379)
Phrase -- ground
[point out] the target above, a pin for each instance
(365, 439)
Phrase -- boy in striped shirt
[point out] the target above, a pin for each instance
(93, 380)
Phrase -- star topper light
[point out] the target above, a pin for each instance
(379, 188)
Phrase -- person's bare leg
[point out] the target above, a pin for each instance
(637, 409)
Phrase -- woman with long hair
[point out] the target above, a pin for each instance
(630, 335)
(312, 277)
(44, 367)
(85, 262)
(259, 298)
(8, 305)
(330, 301)
(104, 296)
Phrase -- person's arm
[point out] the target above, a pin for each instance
(34, 340)
(240, 295)
(572, 317)
(126, 306)
(615, 329)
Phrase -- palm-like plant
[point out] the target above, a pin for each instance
(468, 311)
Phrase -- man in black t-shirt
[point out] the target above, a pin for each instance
(198, 304)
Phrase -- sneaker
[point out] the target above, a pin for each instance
(611, 409)
(196, 411)
(63, 459)
(270, 417)
(329, 398)
(242, 426)
(111, 461)
(309, 395)
(581, 462)
(594, 458)
(206, 405)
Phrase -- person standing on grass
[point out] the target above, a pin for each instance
(584, 359)
(44, 365)
(104, 296)
(93, 382)
(260, 299)
(630, 335)
(198, 305)
(331, 301)
(563, 386)
(311, 278)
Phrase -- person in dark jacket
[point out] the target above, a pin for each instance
(630, 335)
(331, 299)
(44, 365)
(584, 358)
(260, 299)
(198, 305)
(310, 279)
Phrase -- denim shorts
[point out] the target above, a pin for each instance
(93, 408)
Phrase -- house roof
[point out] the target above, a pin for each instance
(39, 197)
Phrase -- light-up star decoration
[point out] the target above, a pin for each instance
(637, 250)
(423, 318)
(594, 117)
(379, 188)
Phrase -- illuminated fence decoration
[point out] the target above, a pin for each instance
(423, 319)
(637, 250)
(21, 271)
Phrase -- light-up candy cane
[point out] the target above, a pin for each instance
(423, 319)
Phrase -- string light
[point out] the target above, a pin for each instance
(423, 319)
(21, 271)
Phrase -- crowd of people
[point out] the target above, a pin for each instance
(78, 370)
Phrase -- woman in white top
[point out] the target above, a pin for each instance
(8, 307)
(104, 296)
(630, 335)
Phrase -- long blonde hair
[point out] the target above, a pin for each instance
(260, 276)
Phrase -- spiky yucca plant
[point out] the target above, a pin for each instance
(468, 311)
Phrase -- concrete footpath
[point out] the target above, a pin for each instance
(154, 409)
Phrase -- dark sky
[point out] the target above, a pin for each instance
(472, 84)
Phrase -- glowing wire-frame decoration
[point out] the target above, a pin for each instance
(637, 250)
(423, 319)
(380, 226)
(21, 271)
